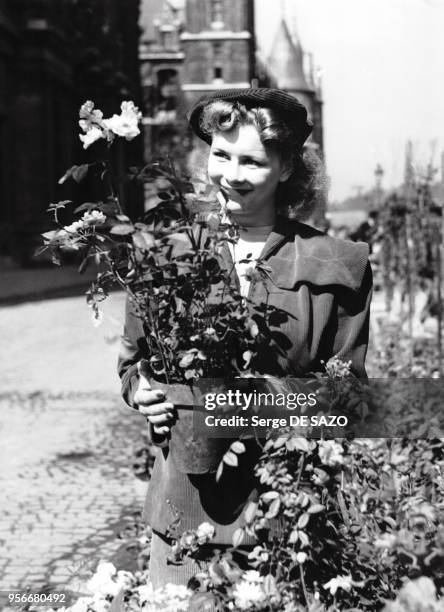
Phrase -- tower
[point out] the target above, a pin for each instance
(161, 56)
(288, 70)
(219, 48)
(161, 66)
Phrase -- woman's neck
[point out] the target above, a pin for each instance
(255, 222)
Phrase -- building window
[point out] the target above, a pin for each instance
(166, 38)
(217, 13)
(218, 62)
(168, 89)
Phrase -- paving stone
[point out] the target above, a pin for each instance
(43, 525)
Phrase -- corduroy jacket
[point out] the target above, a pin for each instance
(324, 284)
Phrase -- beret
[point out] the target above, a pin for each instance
(289, 108)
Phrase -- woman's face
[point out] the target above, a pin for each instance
(247, 173)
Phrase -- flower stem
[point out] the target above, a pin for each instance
(304, 587)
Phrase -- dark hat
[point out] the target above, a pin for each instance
(287, 106)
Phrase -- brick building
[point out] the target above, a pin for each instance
(190, 47)
(54, 54)
(219, 46)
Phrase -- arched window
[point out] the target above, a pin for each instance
(168, 88)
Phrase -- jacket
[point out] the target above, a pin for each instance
(325, 285)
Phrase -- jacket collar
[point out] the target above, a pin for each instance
(300, 253)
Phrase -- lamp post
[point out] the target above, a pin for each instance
(379, 173)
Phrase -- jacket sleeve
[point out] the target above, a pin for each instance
(133, 348)
(352, 330)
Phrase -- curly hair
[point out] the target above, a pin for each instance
(298, 196)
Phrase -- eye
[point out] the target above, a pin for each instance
(252, 161)
(220, 154)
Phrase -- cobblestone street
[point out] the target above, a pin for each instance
(67, 444)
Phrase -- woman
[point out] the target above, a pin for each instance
(324, 284)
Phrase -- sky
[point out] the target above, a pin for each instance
(382, 67)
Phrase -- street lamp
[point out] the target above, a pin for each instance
(379, 173)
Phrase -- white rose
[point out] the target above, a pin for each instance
(252, 576)
(124, 579)
(205, 532)
(146, 593)
(89, 115)
(386, 540)
(74, 227)
(94, 217)
(100, 604)
(248, 594)
(81, 605)
(92, 134)
(125, 124)
(301, 557)
(340, 582)
(330, 453)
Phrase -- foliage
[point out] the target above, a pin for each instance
(408, 232)
(394, 359)
(405, 233)
(344, 524)
(170, 263)
(337, 524)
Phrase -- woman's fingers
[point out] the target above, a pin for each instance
(148, 396)
(151, 403)
(161, 419)
(161, 431)
(156, 409)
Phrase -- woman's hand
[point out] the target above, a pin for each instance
(151, 403)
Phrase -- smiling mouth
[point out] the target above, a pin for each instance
(228, 193)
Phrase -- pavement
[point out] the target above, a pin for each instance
(66, 444)
(68, 490)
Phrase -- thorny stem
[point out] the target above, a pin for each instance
(155, 335)
(301, 466)
(257, 439)
(126, 287)
(178, 189)
(107, 173)
(304, 586)
(183, 208)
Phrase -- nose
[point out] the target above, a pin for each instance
(233, 173)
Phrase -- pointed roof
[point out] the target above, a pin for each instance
(152, 10)
(285, 61)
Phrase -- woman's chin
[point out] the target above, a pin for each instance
(234, 207)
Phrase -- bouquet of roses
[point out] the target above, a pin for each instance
(170, 261)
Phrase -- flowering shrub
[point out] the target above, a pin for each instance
(190, 542)
(417, 595)
(171, 598)
(338, 524)
(119, 591)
